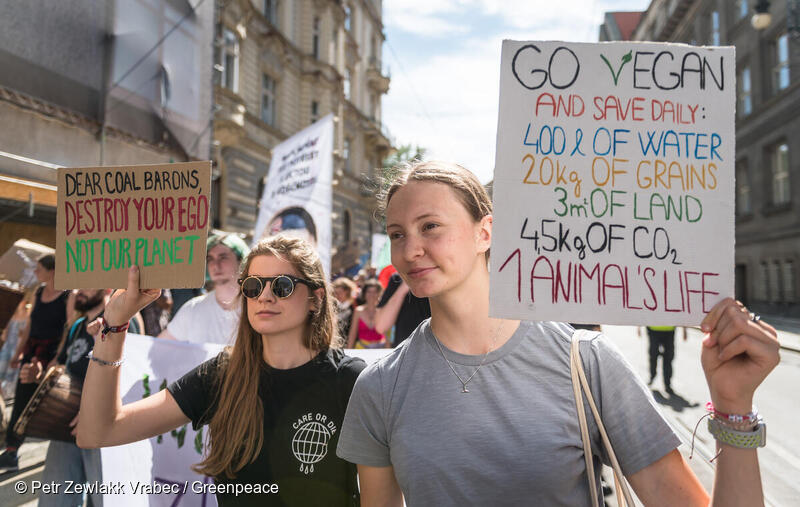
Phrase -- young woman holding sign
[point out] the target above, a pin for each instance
(274, 402)
(495, 397)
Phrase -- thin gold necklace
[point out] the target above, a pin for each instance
(465, 382)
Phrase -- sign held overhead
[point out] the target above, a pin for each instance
(152, 216)
(614, 182)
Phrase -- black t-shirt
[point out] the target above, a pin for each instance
(303, 412)
(74, 355)
(413, 311)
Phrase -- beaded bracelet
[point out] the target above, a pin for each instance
(90, 355)
(741, 439)
(737, 422)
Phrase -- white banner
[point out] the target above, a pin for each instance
(614, 182)
(298, 197)
(151, 471)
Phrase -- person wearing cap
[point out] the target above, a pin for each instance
(213, 317)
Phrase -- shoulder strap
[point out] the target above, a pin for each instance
(579, 382)
(73, 329)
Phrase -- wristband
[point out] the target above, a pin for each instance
(740, 439)
(111, 329)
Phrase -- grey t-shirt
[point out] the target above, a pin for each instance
(514, 439)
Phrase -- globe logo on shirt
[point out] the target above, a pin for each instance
(310, 445)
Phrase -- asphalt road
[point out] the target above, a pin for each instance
(778, 400)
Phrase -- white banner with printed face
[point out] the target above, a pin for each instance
(297, 198)
(156, 472)
(614, 182)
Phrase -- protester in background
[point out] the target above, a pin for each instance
(371, 273)
(65, 461)
(36, 347)
(274, 402)
(156, 314)
(662, 342)
(213, 317)
(343, 289)
(180, 297)
(359, 280)
(362, 328)
(10, 338)
(495, 397)
(400, 308)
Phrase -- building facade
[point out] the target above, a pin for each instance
(767, 162)
(89, 83)
(280, 65)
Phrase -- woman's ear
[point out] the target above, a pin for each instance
(317, 297)
(484, 234)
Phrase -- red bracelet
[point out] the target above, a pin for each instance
(111, 329)
(751, 417)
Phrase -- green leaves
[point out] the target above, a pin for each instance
(625, 59)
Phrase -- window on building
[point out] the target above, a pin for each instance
(741, 9)
(347, 226)
(762, 282)
(773, 269)
(315, 38)
(267, 99)
(715, 28)
(780, 174)
(230, 61)
(271, 11)
(745, 93)
(780, 74)
(346, 154)
(347, 18)
(788, 281)
(744, 204)
(314, 111)
(347, 84)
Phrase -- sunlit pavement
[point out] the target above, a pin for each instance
(777, 399)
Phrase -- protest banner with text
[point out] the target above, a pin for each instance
(297, 199)
(152, 216)
(614, 182)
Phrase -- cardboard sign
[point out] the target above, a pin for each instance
(614, 182)
(297, 199)
(152, 216)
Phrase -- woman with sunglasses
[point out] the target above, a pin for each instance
(471, 410)
(274, 401)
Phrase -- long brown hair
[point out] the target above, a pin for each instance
(236, 430)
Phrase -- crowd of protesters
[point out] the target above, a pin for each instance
(284, 323)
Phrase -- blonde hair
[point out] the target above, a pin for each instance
(466, 185)
(236, 430)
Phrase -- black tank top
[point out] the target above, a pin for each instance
(48, 319)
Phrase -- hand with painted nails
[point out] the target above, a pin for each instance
(738, 354)
(124, 304)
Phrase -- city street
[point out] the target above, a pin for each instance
(776, 399)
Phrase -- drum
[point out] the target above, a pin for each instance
(53, 406)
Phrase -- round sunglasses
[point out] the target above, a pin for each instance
(282, 285)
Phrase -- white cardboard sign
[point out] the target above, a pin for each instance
(614, 182)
